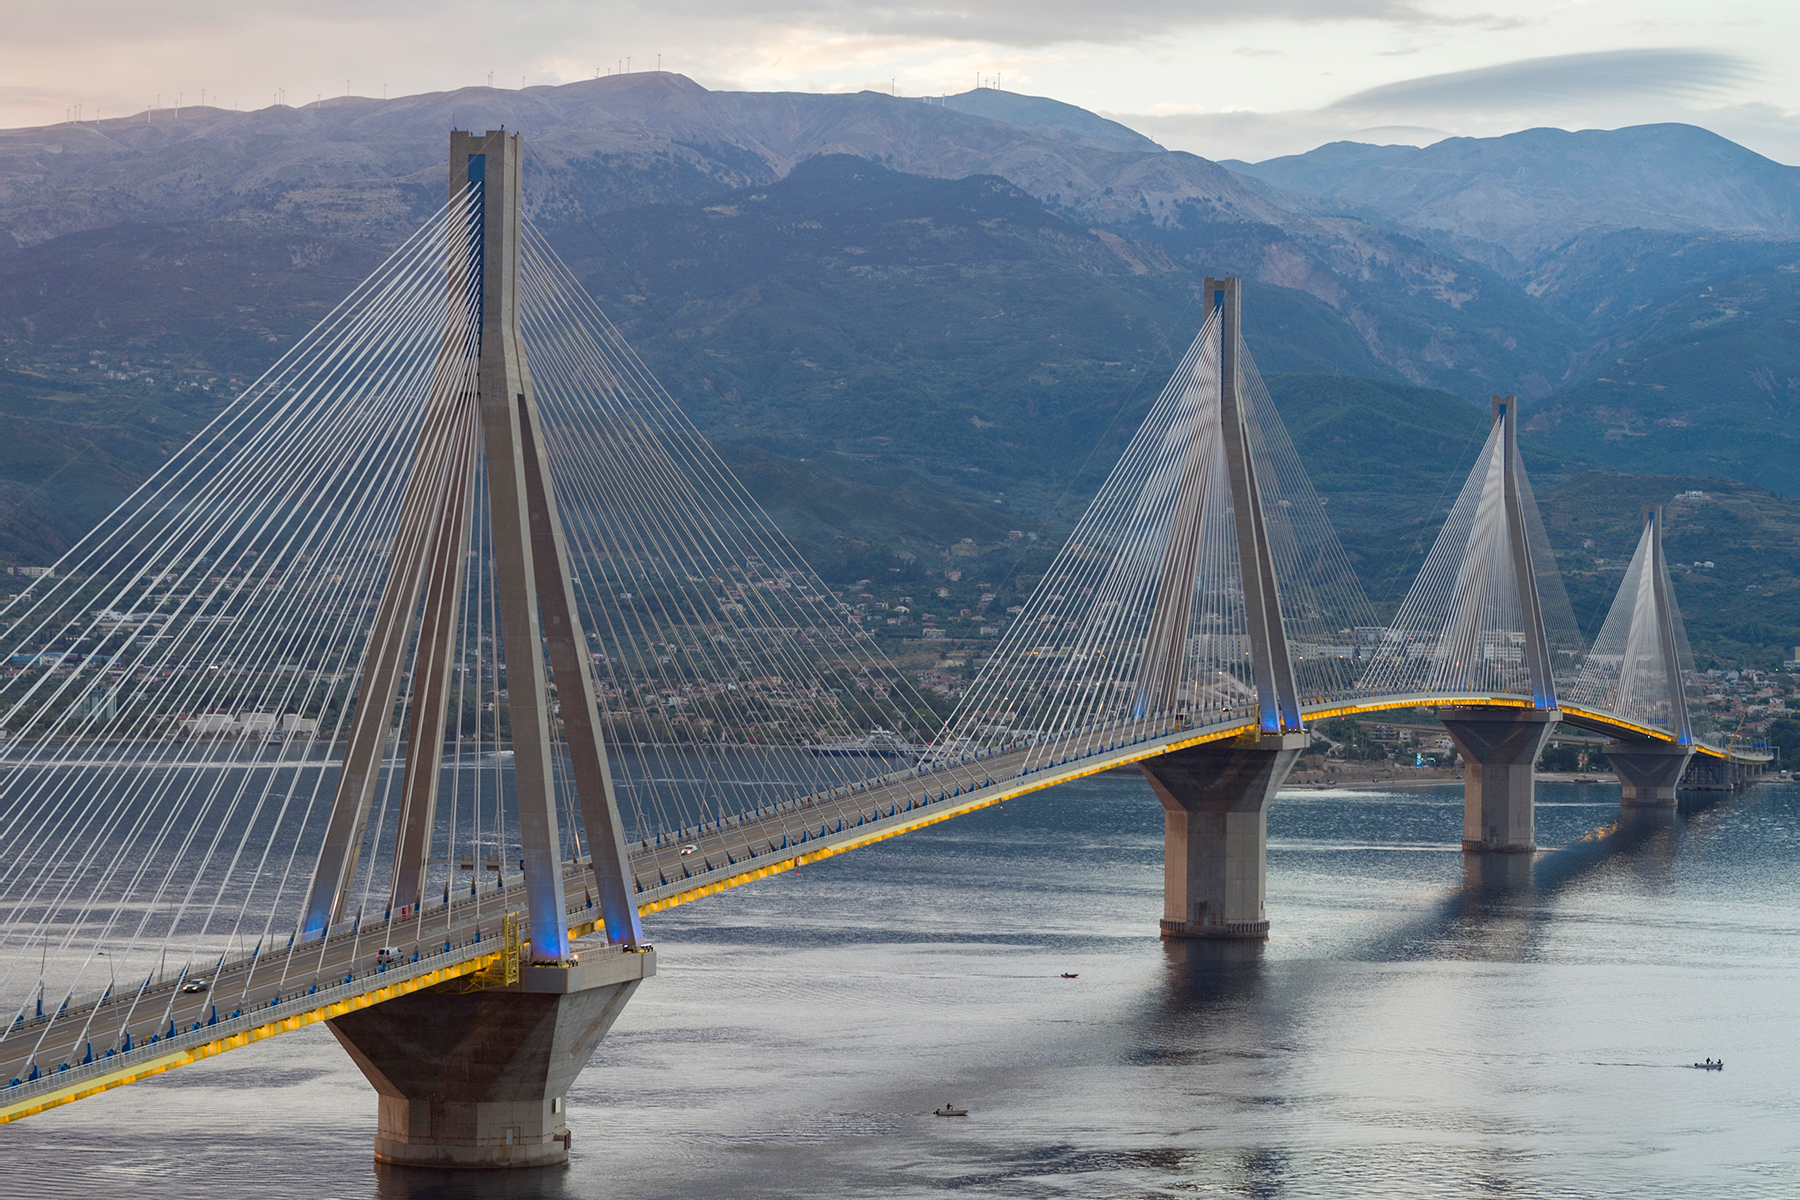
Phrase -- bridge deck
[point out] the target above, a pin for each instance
(315, 980)
(252, 998)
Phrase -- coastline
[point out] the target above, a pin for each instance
(1400, 781)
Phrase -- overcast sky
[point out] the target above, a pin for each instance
(1224, 78)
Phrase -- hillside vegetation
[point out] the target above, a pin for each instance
(1672, 253)
(915, 327)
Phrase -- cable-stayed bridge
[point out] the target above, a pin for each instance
(450, 649)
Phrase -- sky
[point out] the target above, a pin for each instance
(1249, 79)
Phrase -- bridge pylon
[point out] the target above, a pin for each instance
(1636, 670)
(1500, 746)
(475, 1077)
(1471, 637)
(1216, 796)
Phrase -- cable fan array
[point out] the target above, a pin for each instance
(1139, 625)
(732, 676)
(1626, 672)
(1461, 628)
(185, 680)
(188, 667)
(1323, 607)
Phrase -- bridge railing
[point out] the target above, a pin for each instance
(1740, 748)
(112, 1062)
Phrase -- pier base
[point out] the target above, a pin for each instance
(1216, 831)
(1500, 748)
(1648, 772)
(477, 1078)
(1487, 876)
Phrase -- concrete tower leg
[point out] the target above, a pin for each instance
(1500, 748)
(477, 1079)
(1215, 832)
(1649, 772)
(1487, 875)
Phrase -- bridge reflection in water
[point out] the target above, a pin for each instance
(462, 513)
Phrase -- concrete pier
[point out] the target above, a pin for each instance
(478, 1078)
(1216, 832)
(1486, 876)
(1500, 748)
(1648, 772)
(1720, 775)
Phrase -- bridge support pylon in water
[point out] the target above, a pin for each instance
(480, 1078)
(1500, 748)
(1216, 796)
(1649, 772)
(1216, 832)
(472, 1073)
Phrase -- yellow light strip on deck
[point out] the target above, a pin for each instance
(93, 1085)
(1390, 703)
(925, 816)
(1607, 719)
(929, 816)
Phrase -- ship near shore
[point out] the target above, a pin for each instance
(877, 743)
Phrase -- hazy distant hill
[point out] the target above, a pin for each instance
(597, 145)
(1530, 192)
(1043, 113)
(955, 327)
(1672, 252)
(1708, 382)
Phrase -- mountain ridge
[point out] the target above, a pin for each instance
(1531, 191)
(366, 168)
(969, 310)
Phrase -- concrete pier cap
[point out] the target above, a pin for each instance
(1649, 772)
(1500, 748)
(1215, 800)
(477, 1077)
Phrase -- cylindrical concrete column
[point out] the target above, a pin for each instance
(1500, 748)
(1215, 832)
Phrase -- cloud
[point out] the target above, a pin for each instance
(1605, 89)
(1534, 82)
(1014, 23)
(38, 96)
(1039, 22)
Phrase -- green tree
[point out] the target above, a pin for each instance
(1357, 743)
(1562, 757)
(1784, 733)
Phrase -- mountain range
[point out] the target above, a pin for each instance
(1513, 200)
(970, 298)
(1673, 252)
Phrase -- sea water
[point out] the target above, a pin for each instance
(1416, 1025)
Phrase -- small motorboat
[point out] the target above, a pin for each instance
(1710, 1065)
(1070, 975)
(950, 1110)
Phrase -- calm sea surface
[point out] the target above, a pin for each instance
(1410, 1029)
